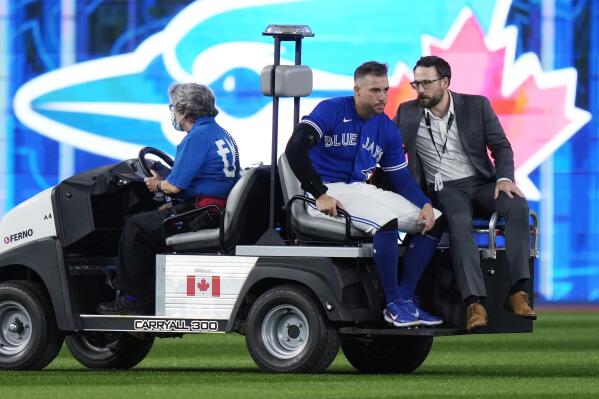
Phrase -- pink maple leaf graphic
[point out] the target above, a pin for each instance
(536, 108)
(399, 90)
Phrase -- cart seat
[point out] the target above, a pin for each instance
(243, 220)
(306, 226)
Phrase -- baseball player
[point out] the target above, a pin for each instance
(334, 150)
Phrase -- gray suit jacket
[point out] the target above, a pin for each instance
(478, 128)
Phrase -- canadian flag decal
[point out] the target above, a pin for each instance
(201, 286)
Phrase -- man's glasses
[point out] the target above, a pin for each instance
(424, 83)
(170, 107)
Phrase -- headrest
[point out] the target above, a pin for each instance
(290, 80)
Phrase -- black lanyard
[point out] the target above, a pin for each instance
(430, 132)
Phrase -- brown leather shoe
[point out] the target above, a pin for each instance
(477, 316)
(520, 305)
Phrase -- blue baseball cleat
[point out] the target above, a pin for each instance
(424, 318)
(398, 314)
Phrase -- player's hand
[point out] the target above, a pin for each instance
(328, 205)
(152, 182)
(508, 188)
(426, 219)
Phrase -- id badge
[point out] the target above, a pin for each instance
(438, 182)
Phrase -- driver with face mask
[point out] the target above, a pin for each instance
(206, 168)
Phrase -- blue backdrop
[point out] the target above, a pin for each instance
(83, 82)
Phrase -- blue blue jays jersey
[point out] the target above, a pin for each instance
(206, 162)
(350, 148)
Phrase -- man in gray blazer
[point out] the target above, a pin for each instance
(447, 135)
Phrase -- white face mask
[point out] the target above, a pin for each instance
(175, 123)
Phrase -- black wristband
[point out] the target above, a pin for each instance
(315, 188)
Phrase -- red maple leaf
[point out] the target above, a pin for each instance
(203, 285)
(535, 108)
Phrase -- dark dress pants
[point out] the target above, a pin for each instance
(142, 238)
(462, 199)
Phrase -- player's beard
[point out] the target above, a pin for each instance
(378, 108)
(429, 101)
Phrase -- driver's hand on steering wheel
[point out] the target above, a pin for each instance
(152, 182)
(165, 206)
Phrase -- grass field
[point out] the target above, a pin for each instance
(559, 360)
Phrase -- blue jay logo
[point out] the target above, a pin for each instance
(113, 106)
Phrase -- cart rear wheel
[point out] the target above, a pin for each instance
(108, 350)
(387, 354)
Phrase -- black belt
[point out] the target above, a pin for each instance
(476, 179)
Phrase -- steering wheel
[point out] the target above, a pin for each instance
(154, 151)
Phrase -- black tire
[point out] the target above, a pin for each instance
(287, 332)
(108, 350)
(387, 354)
(29, 336)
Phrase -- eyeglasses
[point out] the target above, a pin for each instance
(425, 83)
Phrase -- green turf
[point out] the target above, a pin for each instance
(560, 359)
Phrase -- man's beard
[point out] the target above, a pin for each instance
(374, 111)
(429, 102)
